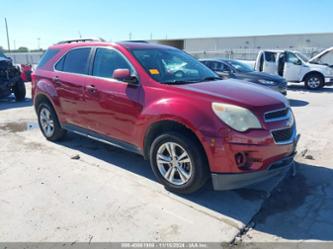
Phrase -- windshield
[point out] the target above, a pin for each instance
(172, 66)
(241, 67)
(302, 57)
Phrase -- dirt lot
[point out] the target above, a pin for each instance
(81, 190)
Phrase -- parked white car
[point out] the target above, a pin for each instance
(296, 67)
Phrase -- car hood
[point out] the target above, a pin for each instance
(242, 93)
(314, 58)
(261, 75)
(316, 66)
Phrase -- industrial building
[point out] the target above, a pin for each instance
(247, 47)
(240, 47)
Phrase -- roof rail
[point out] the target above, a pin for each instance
(137, 41)
(82, 40)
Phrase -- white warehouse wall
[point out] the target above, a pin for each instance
(316, 40)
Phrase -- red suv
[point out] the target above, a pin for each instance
(163, 104)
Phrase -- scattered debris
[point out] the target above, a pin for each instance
(303, 152)
(76, 157)
(309, 157)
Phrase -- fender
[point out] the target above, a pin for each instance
(311, 72)
(192, 116)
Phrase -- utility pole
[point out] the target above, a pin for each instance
(8, 43)
(130, 36)
(38, 43)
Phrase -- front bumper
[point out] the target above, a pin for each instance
(329, 81)
(228, 181)
(240, 180)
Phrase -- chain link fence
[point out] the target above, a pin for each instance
(25, 57)
(246, 54)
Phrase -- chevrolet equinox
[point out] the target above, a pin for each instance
(161, 103)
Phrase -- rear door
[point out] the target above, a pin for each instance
(292, 67)
(70, 80)
(270, 62)
(114, 105)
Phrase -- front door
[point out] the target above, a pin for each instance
(114, 105)
(292, 67)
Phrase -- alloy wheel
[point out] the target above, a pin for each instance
(314, 82)
(174, 163)
(46, 121)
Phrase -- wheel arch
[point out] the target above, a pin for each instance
(163, 126)
(42, 97)
(313, 72)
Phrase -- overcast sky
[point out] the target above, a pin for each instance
(46, 22)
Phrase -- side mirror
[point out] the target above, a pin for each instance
(123, 74)
(298, 62)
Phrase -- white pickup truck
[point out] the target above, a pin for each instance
(296, 67)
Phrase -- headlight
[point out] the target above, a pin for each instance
(267, 82)
(236, 117)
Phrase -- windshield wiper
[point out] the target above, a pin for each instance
(211, 78)
(180, 82)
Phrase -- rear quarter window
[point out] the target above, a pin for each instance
(75, 61)
(47, 56)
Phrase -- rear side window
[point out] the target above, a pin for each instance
(270, 56)
(47, 56)
(75, 61)
(108, 60)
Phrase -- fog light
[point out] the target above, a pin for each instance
(241, 159)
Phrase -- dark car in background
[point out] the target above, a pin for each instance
(10, 79)
(234, 69)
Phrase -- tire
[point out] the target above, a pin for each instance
(193, 168)
(19, 91)
(47, 117)
(314, 81)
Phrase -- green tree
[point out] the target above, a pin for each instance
(23, 49)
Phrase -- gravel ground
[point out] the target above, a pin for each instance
(81, 190)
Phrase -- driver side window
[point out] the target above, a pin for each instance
(106, 61)
(291, 58)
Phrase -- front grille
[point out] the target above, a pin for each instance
(283, 135)
(274, 115)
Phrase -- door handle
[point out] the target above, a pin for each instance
(56, 80)
(91, 89)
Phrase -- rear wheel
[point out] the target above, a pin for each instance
(48, 123)
(178, 163)
(314, 81)
(19, 91)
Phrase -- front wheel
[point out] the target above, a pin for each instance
(314, 82)
(179, 163)
(19, 91)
